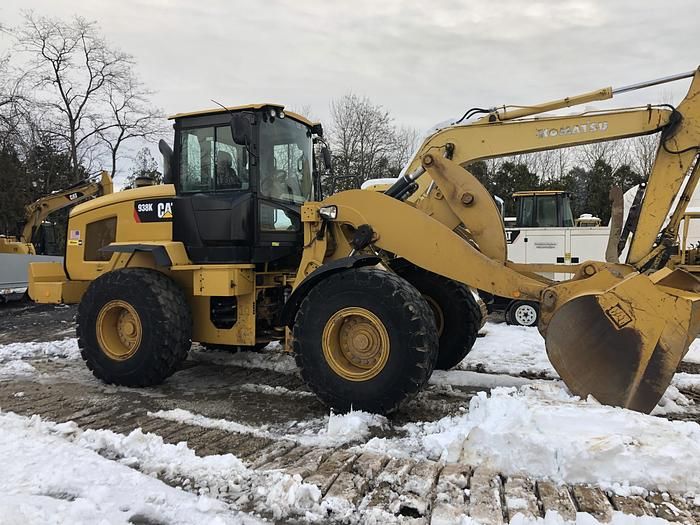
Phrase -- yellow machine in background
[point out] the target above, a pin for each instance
(37, 211)
(37, 240)
(237, 247)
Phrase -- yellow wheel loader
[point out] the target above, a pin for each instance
(370, 288)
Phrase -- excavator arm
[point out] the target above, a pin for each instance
(615, 331)
(37, 211)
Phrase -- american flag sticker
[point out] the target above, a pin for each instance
(74, 235)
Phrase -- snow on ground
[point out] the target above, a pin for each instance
(509, 350)
(15, 368)
(273, 390)
(673, 402)
(542, 431)
(516, 349)
(475, 379)
(332, 431)
(272, 358)
(687, 381)
(49, 480)
(693, 355)
(66, 348)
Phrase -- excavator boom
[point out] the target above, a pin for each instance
(37, 211)
(614, 331)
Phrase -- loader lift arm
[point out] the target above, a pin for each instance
(616, 331)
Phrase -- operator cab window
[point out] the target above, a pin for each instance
(567, 214)
(210, 161)
(285, 161)
(526, 212)
(547, 211)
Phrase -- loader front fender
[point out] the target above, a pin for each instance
(289, 311)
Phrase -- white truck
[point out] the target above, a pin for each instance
(544, 231)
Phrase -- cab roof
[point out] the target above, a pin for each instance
(215, 111)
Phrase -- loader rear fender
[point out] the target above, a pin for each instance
(159, 252)
(292, 305)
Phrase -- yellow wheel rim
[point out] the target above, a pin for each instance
(437, 312)
(119, 330)
(355, 344)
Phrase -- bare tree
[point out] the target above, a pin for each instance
(365, 142)
(616, 153)
(406, 141)
(133, 117)
(644, 150)
(73, 69)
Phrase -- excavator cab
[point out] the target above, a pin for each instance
(241, 176)
(543, 209)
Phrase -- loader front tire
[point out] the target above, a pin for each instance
(365, 339)
(134, 327)
(458, 316)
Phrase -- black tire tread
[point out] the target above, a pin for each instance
(457, 341)
(420, 323)
(174, 330)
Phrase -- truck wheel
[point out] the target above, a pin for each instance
(523, 313)
(134, 327)
(458, 316)
(365, 339)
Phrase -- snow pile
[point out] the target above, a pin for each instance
(50, 480)
(542, 431)
(66, 348)
(353, 426)
(70, 475)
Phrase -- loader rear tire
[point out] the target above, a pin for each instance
(458, 315)
(134, 327)
(365, 339)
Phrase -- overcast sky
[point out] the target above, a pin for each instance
(425, 61)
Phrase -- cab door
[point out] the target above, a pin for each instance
(214, 210)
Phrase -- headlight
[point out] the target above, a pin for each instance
(328, 212)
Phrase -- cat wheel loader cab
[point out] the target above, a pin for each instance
(240, 179)
(237, 250)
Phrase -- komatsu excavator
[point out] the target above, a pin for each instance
(239, 246)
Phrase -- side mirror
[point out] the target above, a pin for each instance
(241, 129)
(326, 155)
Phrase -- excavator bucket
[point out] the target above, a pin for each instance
(623, 344)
